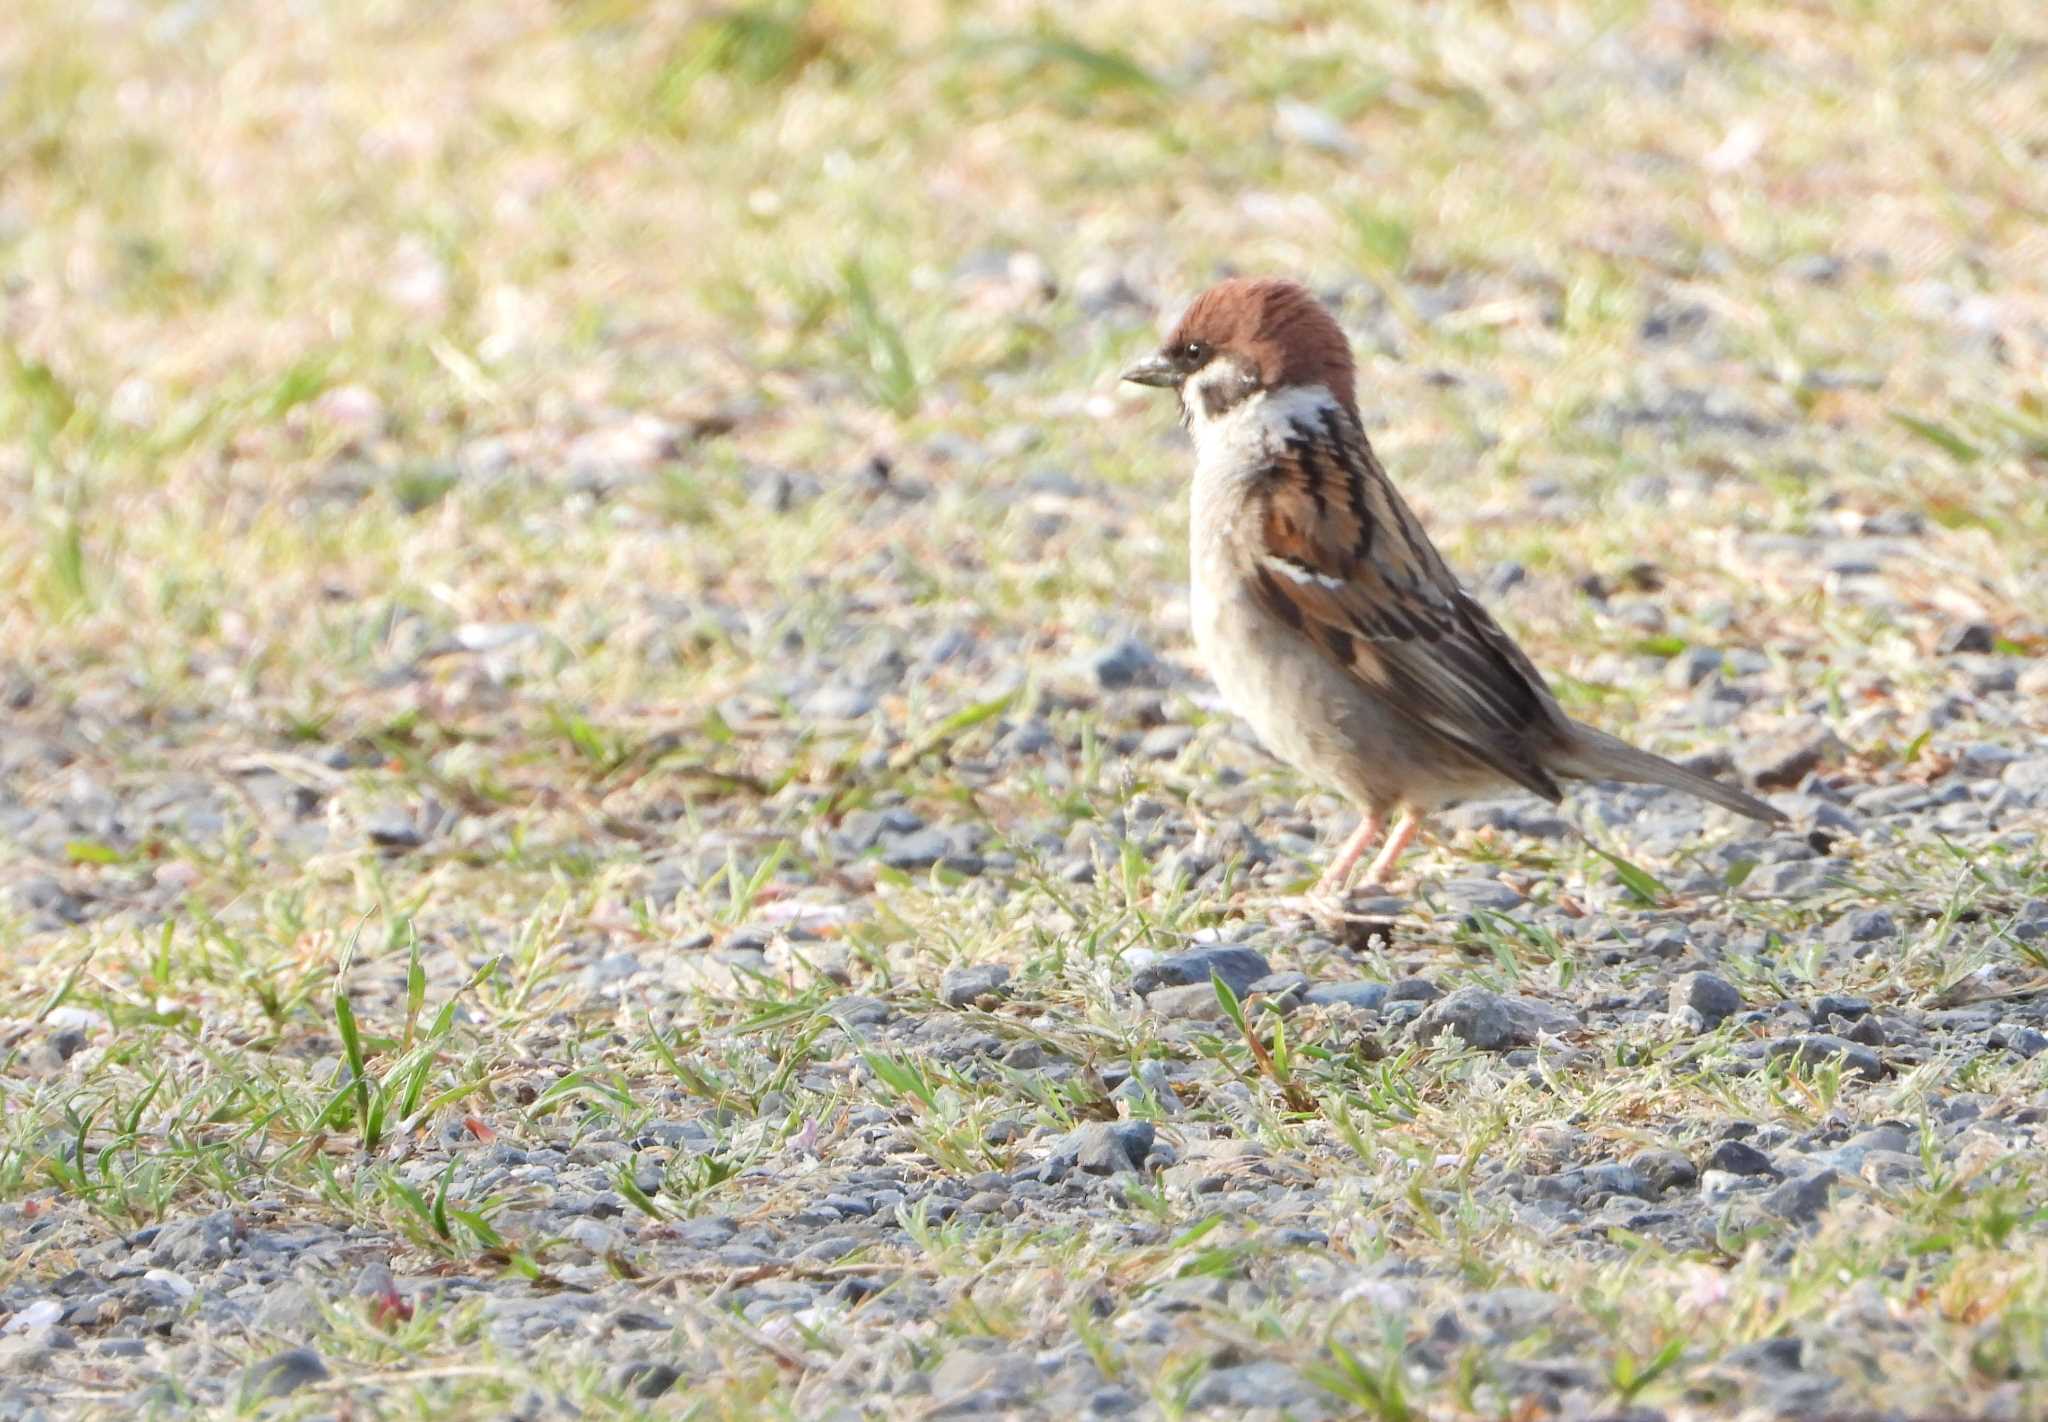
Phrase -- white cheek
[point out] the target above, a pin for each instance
(1233, 447)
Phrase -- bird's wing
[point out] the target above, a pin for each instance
(1334, 552)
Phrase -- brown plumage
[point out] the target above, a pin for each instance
(1277, 328)
(1328, 618)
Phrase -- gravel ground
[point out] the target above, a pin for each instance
(885, 1135)
(605, 809)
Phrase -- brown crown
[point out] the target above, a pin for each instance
(1276, 327)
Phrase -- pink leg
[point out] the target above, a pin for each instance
(1334, 879)
(1406, 827)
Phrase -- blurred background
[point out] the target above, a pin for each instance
(321, 318)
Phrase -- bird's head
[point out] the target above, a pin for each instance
(1247, 338)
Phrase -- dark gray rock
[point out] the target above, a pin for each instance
(1362, 994)
(1239, 967)
(394, 831)
(195, 1243)
(929, 848)
(1740, 1158)
(1127, 664)
(640, 1378)
(284, 1373)
(1710, 997)
(1112, 1402)
(1829, 1006)
(1781, 761)
(1261, 1386)
(2029, 778)
(1801, 1201)
(1488, 1022)
(1666, 1169)
(1820, 1047)
(1691, 667)
(1521, 815)
(1863, 926)
(1967, 637)
(1281, 984)
(1414, 990)
(963, 987)
(1109, 1147)
(855, 1010)
(1772, 1355)
(1470, 895)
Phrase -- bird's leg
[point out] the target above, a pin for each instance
(1406, 826)
(1331, 886)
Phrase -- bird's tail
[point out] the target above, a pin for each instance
(1595, 755)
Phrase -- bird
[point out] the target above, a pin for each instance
(1326, 616)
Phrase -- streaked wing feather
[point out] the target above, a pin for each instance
(1341, 558)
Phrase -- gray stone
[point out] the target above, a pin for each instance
(1489, 1022)
(1849, 1156)
(394, 831)
(1362, 994)
(195, 1243)
(2026, 1043)
(1967, 637)
(1801, 1201)
(1127, 664)
(1280, 984)
(1740, 1158)
(1780, 762)
(1829, 1006)
(1111, 1147)
(963, 987)
(854, 1010)
(1521, 815)
(928, 848)
(1820, 1047)
(284, 1373)
(1863, 926)
(1691, 667)
(1263, 1385)
(1712, 998)
(1193, 1002)
(1111, 1402)
(1414, 990)
(1865, 1031)
(1470, 895)
(1797, 879)
(2029, 777)
(1665, 1169)
(2030, 924)
(643, 1379)
(1772, 1355)
(1164, 742)
(1238, 966)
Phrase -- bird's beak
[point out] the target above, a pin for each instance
(1153, 370)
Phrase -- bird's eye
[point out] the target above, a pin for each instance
(1192, 353)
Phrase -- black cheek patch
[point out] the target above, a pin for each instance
(1222, 396)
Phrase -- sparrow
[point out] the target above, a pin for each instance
(1325, 615)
